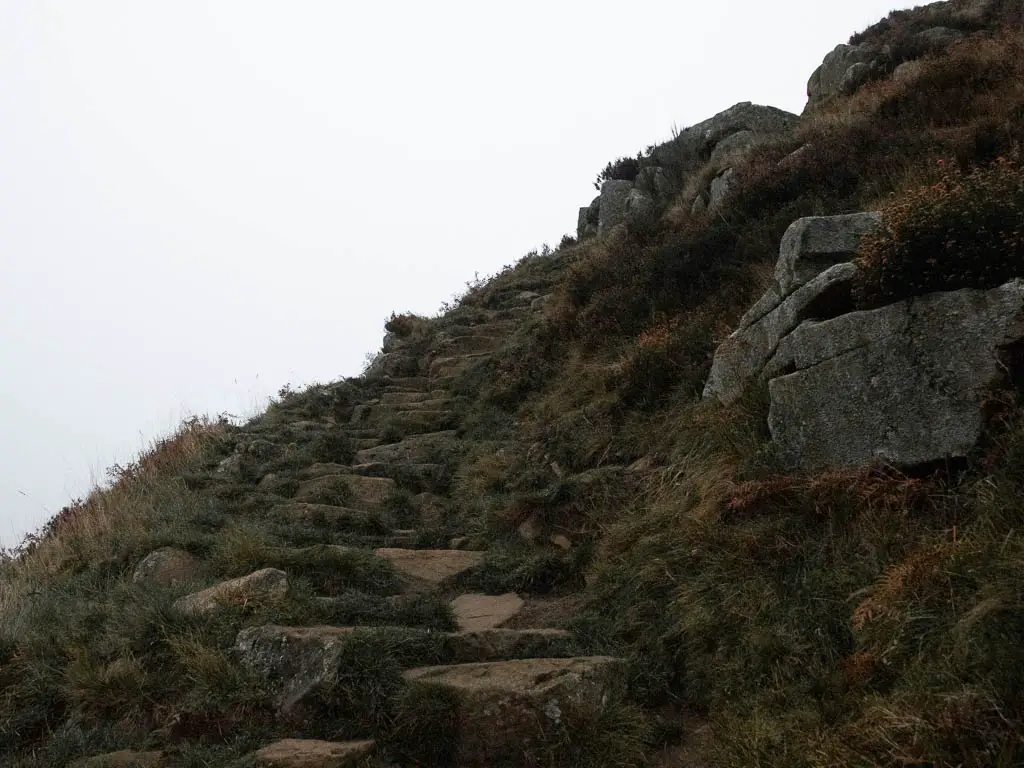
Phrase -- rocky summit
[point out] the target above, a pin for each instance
(730, 477)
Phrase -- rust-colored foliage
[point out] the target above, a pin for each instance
(965, 231)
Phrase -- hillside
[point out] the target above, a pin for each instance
(729, 478)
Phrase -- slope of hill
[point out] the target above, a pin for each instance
(523, 538)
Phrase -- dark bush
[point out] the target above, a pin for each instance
(625, 169)
(966, 231)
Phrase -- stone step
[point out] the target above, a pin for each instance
(421, 422)
(404, 398)
(312, 753)
(416, 449)
(297, 661)
(502, 707)
(406, 384)
(466, 344)
(347, 490)
(435, 403)
(452, 366)
(442, 384)
(430, 568)
(476, 611)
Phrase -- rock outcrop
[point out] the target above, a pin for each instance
(721, 140)
(813, 278)
(904, 384)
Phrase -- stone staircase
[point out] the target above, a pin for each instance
(503, 686)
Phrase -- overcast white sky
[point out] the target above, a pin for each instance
(203, 201)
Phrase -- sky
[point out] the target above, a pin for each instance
(201, 202)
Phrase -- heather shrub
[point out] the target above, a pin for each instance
(965, 231)
(625, 168)
(668, 354)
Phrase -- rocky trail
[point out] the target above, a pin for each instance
(506, 667)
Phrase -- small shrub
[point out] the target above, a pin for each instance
(667, 354)
(625, 169)
(966, 231)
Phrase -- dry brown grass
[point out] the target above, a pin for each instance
(110, 517)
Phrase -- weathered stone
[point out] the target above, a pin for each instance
(588, 219)
(266, 585)
(417, 449)
(473, 611)
(903, 384)
(742, 357)
(311, 753)
(430, 567)
(794, 158)
(653, 181)
(813, 244)
(297, 660)
(504, 708)
(854, 77)
(768, 301)
(614, 204)
(453, 366)
(699, 205)
(827, 80)
(638, 203)
(734, 145)
(694, 146)
(166, 565)
(125, 758)
(561, 541)
(721, 185)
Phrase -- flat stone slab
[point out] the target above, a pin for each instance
(312, 753)
(532, 677)
(266, 585)
(475, 611)
(505, 709)
(430, 566)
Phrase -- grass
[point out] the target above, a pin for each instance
(859, 617)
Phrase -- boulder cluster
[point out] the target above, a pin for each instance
(905, 384)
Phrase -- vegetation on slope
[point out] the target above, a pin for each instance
(839, 618)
